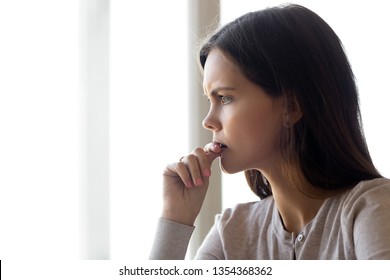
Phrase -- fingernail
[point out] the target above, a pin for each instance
(189, 184)
(207, 172)
(216, 148)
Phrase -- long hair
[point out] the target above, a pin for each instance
(290, 51)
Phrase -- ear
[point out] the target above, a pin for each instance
(292, 112)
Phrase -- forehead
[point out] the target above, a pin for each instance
(219, 69)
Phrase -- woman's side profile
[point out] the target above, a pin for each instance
(284, 109)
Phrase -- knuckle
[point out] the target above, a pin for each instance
(198, 150)
(191, 157)
(182, 170)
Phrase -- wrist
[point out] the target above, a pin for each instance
(177, 217)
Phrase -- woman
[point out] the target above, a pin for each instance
(283, 108)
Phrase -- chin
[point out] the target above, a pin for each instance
(228, 168)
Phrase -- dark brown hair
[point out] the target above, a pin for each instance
(290, 51)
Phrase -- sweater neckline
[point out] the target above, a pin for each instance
(278, 226)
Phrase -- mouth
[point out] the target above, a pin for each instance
(222, 146)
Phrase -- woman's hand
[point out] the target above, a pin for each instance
(185, 184)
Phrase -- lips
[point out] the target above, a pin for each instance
(223, 146)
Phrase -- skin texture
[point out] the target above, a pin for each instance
(242, 118)
(248, 123)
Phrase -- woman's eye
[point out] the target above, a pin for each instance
(226, 100)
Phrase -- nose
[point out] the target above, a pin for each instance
(210, 122)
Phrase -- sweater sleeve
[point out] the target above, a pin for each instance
(370, 214)
(171, 240)
(212, 248)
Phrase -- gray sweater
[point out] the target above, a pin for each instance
(352, 225)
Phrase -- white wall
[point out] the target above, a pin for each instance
(38, 129)
(148, 115)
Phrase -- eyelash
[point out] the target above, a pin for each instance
(221, 99)
(225, 102)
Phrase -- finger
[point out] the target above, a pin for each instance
(184, 174)
(193, 165)
(203, 161)
(179, 170)
(213, 147)
(213, 150)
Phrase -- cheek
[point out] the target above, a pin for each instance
(253, 145)
(258, 123)
(260, 133)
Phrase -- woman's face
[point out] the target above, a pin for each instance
(242, 116)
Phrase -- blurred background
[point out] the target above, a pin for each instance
(96, 97)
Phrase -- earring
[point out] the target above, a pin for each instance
(287, 122)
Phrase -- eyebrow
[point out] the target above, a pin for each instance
(216, 90)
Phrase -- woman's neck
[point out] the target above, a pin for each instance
(295, 207)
